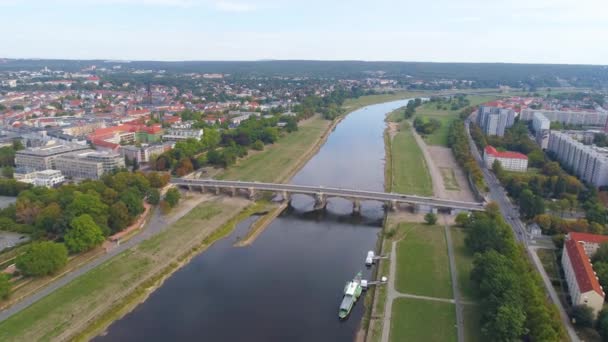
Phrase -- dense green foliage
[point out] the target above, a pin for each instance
(430, 218)
(42, 258)
(5, 286)
(83, 234)
(511, 294)
(426, 127)
(582, 316)
(172, 197)
(11, 187)
(112, 203)
(459, 143)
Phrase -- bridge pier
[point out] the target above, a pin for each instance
(391, 205)
(217, 190)
(286, 196)
(232, 191)
(251, 193)
(356, 206)
(189, 188)
(202, 189)
(320, 201)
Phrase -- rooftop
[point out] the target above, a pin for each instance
(583, 271)
(507, 154)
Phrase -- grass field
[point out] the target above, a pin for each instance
(446, 117)
(421, 320)
(422, 262)
(472, 327)
(279, 158)
(409, 171)
(68, 309)
(464, 264)
(449, 178)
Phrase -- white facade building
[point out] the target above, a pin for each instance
(585, 118)
(510, 161)
(541, 126)
(589, 163)
(495, 120)
(47, 178)
(583, 285)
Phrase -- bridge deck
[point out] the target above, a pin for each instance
(332, 192)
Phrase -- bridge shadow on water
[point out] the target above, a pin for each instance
(368, 216)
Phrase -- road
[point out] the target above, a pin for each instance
(331, 192)
(157, 224)
(511, 215)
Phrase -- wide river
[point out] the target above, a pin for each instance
(287, 285)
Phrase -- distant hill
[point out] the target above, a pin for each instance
(486, 74)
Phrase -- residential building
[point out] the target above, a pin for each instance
(510, 161)
(583, 284)
(589, 163)
(43, 157)
(182, 131)
(585, 118)
(541, 126)
(89, 165)
(143, 153)
(494, 120)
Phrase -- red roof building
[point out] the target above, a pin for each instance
(511, 161)
(583, 283)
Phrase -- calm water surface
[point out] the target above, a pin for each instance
(288, 284)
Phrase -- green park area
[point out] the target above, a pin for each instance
(446, 115)
(422, 262)
(93, 300)
(278, 161)
(409, 171)
(422, 320)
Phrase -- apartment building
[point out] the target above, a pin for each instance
(587, 162)
(541, 126)
(180, 132)
(510, 161)
(89, 165)
(43, 157)
(585, 118)
(143, 153)
(494, 120)
(583, 284)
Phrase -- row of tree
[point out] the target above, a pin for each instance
(513, 301)
(459, 143)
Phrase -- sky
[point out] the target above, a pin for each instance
(510, 31)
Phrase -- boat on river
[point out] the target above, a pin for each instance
(352, 292)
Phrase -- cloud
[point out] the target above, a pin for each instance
(229, 6)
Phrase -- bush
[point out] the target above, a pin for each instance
(430, 218)
(42, 258)
(258, 145)
(582, 315)
(172, 197)
(5, 286)
(153, 196)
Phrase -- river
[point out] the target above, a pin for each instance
(288, 284)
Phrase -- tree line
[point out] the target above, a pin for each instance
(459, 143)
(514, 304)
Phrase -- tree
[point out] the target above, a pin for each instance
(133, 200)
(172, 197)
(258, 145)
(7, 172)
(497, 169)
(42, 258)
(5, 286)
(602, 324)
(89, 203)
(83, 235)
(119, 216)
(50, 220)
(430, 218)
(153, 196)
(582, 315)
(462, 218)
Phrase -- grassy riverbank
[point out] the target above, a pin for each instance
(278, 162)
(354, 104)
(91, 302)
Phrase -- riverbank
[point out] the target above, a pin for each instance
(261, 224)
(92, 301)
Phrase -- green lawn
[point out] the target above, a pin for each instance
(109, 283)
(464, 264)
(472, 327)
(446, 117)
(410, 174)
(279, 158)
(421, 320)
(422, 262)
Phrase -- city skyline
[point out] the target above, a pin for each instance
(520, 31)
